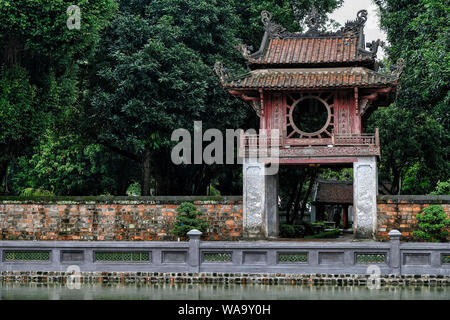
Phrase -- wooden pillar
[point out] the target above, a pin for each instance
(320, 212)
(345, 216)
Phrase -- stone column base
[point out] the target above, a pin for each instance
(260, 202)
(365, 189)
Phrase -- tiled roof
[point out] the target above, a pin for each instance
(311, 78)
(325, 50)
(335, 192)
(339, 192)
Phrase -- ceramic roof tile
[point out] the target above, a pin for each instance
(311, 78)
(311, 51)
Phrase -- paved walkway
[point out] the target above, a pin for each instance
(343, 238)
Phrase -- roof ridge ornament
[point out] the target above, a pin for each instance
(275, 30)
(374, 45)
(245, 50)
(362, 16)
(266, 18)
(314, 20)
(222, 72)
(356, 25)
(398, 68)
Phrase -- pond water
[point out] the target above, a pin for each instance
(219, 292)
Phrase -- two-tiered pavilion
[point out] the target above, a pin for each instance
(315, 89)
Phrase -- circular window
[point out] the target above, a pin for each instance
(310, 116)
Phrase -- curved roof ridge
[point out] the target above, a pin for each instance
(273, 49)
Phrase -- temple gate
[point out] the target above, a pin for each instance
(316, 89)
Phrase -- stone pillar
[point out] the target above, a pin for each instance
(365, 189)
(260, 201)
(395, 256)
(271, 209)
(194, 250)
(313, 213)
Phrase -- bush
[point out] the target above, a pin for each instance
(325, 235)
(433, 224)
(296, 231)
(307, 228)
(442, 188)
(30, 192)
(188, 220)
(287, 231)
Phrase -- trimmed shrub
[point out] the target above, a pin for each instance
(325, 235)
(187, 220)
(433, 224)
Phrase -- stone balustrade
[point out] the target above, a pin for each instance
(196, 256)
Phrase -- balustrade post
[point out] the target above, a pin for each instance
(395, 258)
(194, 250)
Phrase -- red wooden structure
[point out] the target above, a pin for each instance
(316, 89)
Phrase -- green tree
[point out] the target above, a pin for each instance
(153, 74)
(442, 188)
(67, 165)
(433, 223)
(20, 117)
(415, 131)
(126, 88)
(249, 12)
(37, 48)
(187, 220)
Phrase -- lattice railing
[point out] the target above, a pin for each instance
(217, 257)
(293, 257)
(27, 255)
(254, 141)
(122, 256)
(370, 258)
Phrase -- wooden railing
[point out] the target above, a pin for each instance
(261, 141)
(254, 141)
(357, 140)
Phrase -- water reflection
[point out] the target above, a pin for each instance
(218, 291)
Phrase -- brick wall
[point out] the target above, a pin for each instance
(94, 218)
(90, 218)
(399, 212)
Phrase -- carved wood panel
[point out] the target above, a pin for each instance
(293, 100)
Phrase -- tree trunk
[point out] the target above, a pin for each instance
(312, 180)
(297, 203)
(11, 50)
(3, 175)
(395, 181)
(289, 205)
(146, 176)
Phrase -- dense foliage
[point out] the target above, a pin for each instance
(415, 131)
(433, 224)
(105, 98)
(91, 111)
(153, 73)
(41, 62)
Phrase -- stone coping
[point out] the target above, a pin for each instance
(417, 199)
(119, 200)
(425, 199)
(50, 277)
